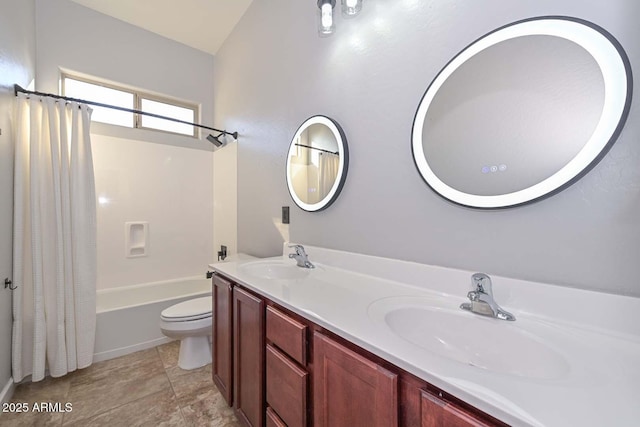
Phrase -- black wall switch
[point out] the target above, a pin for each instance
(285, 214)
(222, 253)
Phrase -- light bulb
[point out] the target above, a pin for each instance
(326, 24)
(351, 7)
(327, 16)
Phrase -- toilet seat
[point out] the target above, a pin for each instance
(195, 309)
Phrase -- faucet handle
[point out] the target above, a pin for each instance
(482, 283)
(299, 249)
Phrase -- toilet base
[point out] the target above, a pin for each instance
(195, 352)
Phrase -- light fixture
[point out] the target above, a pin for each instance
(351, 8)
(326, 23)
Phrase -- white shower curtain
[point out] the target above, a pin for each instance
(329, 164)
(54, 249)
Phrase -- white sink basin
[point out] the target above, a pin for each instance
(276, 270)
(437, 325)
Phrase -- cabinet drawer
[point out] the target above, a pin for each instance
(273, 420)
(287, 334)
(286, 388)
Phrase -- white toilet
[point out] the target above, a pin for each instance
(190, 322)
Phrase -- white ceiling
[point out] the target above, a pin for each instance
(202, 24)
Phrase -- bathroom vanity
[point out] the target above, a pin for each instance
(368, 341)
(264, 346)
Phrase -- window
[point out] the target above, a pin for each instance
(169, 110)
(108, 94)
(92, 92)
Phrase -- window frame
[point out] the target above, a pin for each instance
(138, 96)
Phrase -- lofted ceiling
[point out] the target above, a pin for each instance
(201, 24)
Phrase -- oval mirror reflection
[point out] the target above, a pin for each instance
(522, 112)
(317, 163)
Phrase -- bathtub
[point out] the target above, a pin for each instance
(127, 318)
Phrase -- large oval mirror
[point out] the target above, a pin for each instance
(522, 112)
(317, 163)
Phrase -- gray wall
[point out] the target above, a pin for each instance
(17, 65)
(79, 40)
(274, 71)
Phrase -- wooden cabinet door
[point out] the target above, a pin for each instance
(222, 337)
(248, 335)
(273, 420)
(350, 390)
(438, 413)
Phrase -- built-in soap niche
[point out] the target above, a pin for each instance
(136, 239)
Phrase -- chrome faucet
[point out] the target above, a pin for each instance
(301, 257)
(482, 301)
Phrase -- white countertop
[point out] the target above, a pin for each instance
(597, 334)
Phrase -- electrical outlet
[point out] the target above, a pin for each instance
(285, 214)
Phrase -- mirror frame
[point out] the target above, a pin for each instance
(343, 167)
(616, 69)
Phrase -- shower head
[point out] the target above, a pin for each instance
(215, 140)
(220, 140)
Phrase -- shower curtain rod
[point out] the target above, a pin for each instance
(337, 153)
(18, 88)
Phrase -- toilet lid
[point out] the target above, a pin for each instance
(193, 309)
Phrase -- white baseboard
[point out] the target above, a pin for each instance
(112, 354)
(7, 391)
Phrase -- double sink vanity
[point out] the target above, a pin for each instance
(362, 340)
(341, 339)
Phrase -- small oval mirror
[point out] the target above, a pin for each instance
(522, 112)
(317, 163)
